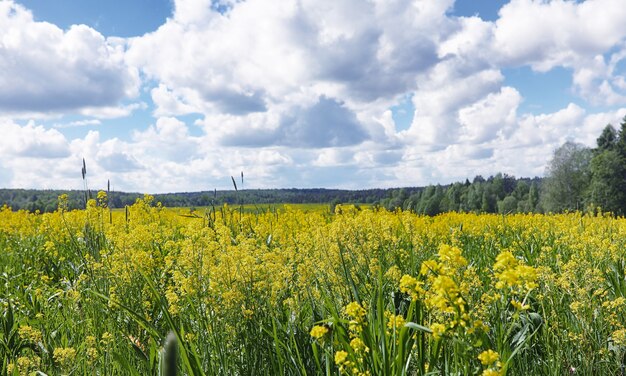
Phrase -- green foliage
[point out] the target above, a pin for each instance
(607, 139)
(567, 178)
(507, 205)
(608, 186)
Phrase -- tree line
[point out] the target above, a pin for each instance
(499, 193)
(46, 200)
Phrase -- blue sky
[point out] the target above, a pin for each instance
(178, 95)
(111, 18)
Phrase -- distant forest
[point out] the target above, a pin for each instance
(577, 178)
(500, 193)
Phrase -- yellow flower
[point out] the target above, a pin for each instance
(27, 364)
(64, 356)
(429, 266)
(30, 334)
(488, 357)
(355, 310)
(519, 306)
(410, 285)
(63, 203)
(340, 357)
(505, 260)
(102, 199)
(490, 372)
(318, 331)
(396, 322)
(512, 273)
(451, 257)
(619, 337)
(438, 330)
(358, 345)
(107, 339)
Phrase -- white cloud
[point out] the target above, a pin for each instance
(549, 34)
(78, 123)
(260, 59)
(572, 34)
(442, 94)
(300, 93)
(45, 69)
(31, 141)
(169, 103)
(485, 119)
(112, 112)
(167, 140)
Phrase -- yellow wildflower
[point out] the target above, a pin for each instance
(64, 356)
(358, 346)
(519, 306)
(30, 334)
(619, 337)
(490, 372)
(438, 330)
(355, 310)
(488, 357)
(340, 357)
(318, 331)
(410, 285)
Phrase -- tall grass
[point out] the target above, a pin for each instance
(148, 291)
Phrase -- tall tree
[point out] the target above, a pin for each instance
(533, 197)
(620, 144)
(607, 139)
(608, 183)
(608, 170)
(567, 178)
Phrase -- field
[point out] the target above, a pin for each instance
(302, 292)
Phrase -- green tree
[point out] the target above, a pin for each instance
(607, 139)
(608, 186)
(507, 205)
(489, 201)
(533, 197)
(567, 178)
(608, 170)
(620, 144)
(473, 199)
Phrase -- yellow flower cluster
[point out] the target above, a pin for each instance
(356, 313)
(64, 356)
(443, 294)
(30, 334)
(514, 274)
(491, 361)
(411, 286)
(318, 331)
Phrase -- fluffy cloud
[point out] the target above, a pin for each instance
(265, 59)
(301, 93)
(549, 34)
(586, 36)
(443, 95)
(45, 69)
(32, 141)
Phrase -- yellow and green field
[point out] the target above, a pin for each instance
(305, 292)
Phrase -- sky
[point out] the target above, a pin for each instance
(179, 95)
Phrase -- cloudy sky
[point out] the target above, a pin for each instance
(178, 95)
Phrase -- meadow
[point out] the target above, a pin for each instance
(361, 291)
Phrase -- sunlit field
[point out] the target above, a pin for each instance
(254, 208)
(306, 292)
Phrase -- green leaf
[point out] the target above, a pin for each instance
(415, 326)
